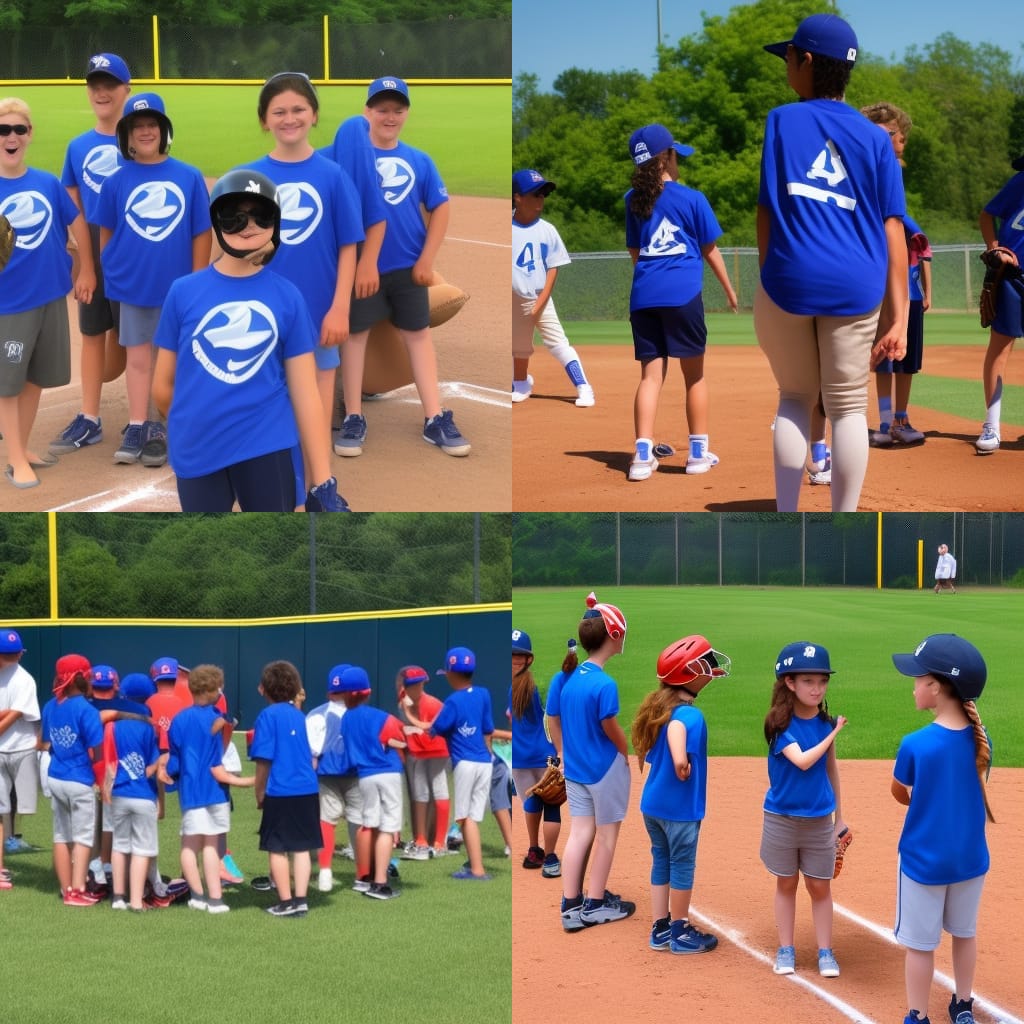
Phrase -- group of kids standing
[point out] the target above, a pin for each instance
(134, 737)
(353, 230)
(844, 282)
(941, 766)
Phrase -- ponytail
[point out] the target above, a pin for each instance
(982, 752)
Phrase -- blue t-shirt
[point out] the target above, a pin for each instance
(72, 727)
(793, 791)
(829, 180)
(670, 268)
(360, 728)
(119, 704)
(194, 750)
(91, 159)
(232, 336)
(154, 212)
(280, 737)
(352, 152)
(464, 720)
(943, 837)
(1007, 206)
(40, 211)
(407, 177)
(136, 747)
(332, 757)
(531, 747)
(582, 702)
(665, 795)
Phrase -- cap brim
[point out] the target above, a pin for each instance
(908, 665)
(779, 49)
(682, 149)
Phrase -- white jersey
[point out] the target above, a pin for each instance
(536, 248)
(945, 567)
(318, 720)
(18, 693)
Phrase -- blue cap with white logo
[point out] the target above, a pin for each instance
(390, 84)
(108, 64)
(459, 659)
(802, 656)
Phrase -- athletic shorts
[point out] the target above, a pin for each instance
(382, 801)
(501, 795)
(135, 829)
(428, 778)
(74, 812)
(791, 845)
(673, 332)
(605, 801)
(340, 797)
(1009, 318)
(399, 299)
(265, 483)
(911, 362)
(290, 824)
(100, 314)
(924, 911)
(138, 325)
(472, 789)
(35, 348)
(19, 774)
(213, 820)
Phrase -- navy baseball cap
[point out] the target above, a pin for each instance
(458, 659)
(108, 64)
(824, 34)
(525, 183)
(334, 678)
(647, 142)
(521, 643)
(104, 677)
(137, 686)
(392, 85)
(164, 668)
(10, 642)
(949, 656)
(803, 656)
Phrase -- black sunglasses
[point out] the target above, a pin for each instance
(18, 129)
(233, 221)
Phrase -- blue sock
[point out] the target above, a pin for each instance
(698, 446)
(819, 451)
(643, 449)
(884, 412)
(575, 372)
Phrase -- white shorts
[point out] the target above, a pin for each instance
(134, 826)
(74, 812)
(924, 911)
(472, 789)
(214, 820)
(340, 797)
(382, 801)
(19, 773)
(428, 777)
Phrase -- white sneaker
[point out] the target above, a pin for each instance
(819, 476)
(522, 396)
(641, 469)
(701, 465)
(325, 880)
(988, 441)
(584, 396)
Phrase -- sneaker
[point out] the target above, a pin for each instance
(701, 465)
(15, 844)
(913, 1018)
(118, 905)
(439, 851)
(198, 903)
(263, 883)
(393, 868)
(350, 439)
(325, 880)
(552, 866)
(988, 440)
(584, 396)
(534, 858)
(661, 934)
(217, 908)
(79, 433)
(901, 430)
(77, 898)
(381, 891)
(961, 1011)
(5, 880)
(571, 920)
(785, 960)
(132, 439)
(508, 851)
(325, 498)
(610, 909)
(820, 472)
(687, 939)
(881, 438)
(345, 853)
(644, 463)
(155, 902)
(154, 446)
(522, 396)
(301, 907)
(414, 852)
(229, 871)
(465, 875)
(5, 875)
(441, 431)
(828, 966)
(361, 885)
(285, 909)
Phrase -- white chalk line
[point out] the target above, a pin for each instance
(451, 389)
(477, 241)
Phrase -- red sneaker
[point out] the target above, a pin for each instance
(77, 898)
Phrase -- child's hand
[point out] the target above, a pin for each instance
(840, 722)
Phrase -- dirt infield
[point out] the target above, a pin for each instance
(610, 973)
(569, 459)
(398, 471)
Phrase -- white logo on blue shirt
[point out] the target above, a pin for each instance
(134, 765)
(828, 166)
(234, 340)
(396, 178)
(30, 215)
(154, 209)
(664, 241)
(99, 164)
(467, 730)
(302, 209)
(65, 737)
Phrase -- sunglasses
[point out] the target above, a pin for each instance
(233, 221)
(18, 129)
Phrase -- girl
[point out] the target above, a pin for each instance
(531, 749)
(802, 811)
(670, 735)
(582, 719)
(942, 766)
(669, 228)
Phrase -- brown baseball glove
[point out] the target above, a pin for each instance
(996, 271)
(842, 842)
(551, 788)
(7, 240)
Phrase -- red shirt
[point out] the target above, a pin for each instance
(164, 704)
(420, 744)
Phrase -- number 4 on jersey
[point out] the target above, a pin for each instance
(526, 259)
(829, 166)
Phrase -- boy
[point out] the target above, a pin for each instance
(92, 158)
(286, 788)
(408, 179)
(165, 703)
(466, 722)
(372, 738)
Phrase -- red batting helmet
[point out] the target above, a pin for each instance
(614, 620)
(689, 659)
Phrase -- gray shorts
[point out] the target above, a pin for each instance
(501, 798)
(101, 314)
(138, 325)
(791, 845)
(35, 348)
(340, 797)
(924, 911)
(214, 820)
(605, 801)
(74, 812)
(135, 829)
(428, 777)
(405, 304)
(382, 801)
(19, 773)
(472, 789)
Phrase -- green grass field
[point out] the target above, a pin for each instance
(466, 129)
(860, 628)
(439, 953)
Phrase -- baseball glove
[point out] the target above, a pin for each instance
(551, 788)
(996, 271)
(7, 240)
(842, 842)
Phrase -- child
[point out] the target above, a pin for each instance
(195, 753)
(670, 231)
(466, 722)
(803, 816)
(531, 749)
(91, 159)
(409, 180)
(33, 306)
(832, 248)
(584, 727)
(286, 788)
(372, 738)
(72, 734)
(896, 427)
(670, 734)
(942, 766)
(154, 228)
(537, 253)
(945, 570)
(1005, 208)
(238, 338)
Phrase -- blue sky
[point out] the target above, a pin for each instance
(549, 36)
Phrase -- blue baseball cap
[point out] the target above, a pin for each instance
(950, 656)
(802, 656)
(354, 679)
(824, 34)
(521, 642)
(137, 686)
(647, 142)
(459, 659)
(334, 678)
(391, 85)
(164, 668)
(10, 642)
(526, 183)
(103, 677)
(108, 64)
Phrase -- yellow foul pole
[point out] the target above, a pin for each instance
(51, 530)
(878, 550)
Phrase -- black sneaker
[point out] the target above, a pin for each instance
(263, 883)
(378, 891)
(154, 448)
(301, 907)
(286, 908)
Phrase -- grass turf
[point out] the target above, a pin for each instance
(860, 628)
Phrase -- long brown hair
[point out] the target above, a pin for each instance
(654, 711)
(780, 714)
(982, 753)
(523, 688)
(648, 185)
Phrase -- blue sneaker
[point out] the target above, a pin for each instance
(350, 439)
(132, 440)
(661, 934)
(785, 960)
(465, 875)
(441, 431)
(325, 498)
(687, 939)
(913, 1018)
(15, 844)
(828, 966)
(611, 908)
(79, 433)
(552, 866)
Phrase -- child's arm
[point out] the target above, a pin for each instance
(437, 226)
(677, 748)
(260, 782)
(226, 778)
(367, 274)
(108, 783)
(7, 719)
(832, 768)
(553, 724)
(714, 259)
(891, 341)
(545, 293)
(614, 732)
(300, 372)
(926, 283)
(901, 793)
(502, 734)
(634, 255)
(85, 283)
(334, 329)
(162, 388)
(804, 759)
(202, 246)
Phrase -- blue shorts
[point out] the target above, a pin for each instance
(1009, 319)
(265, 483)
(673, 851)
(138, 325)
(669, 332)
(911, 362)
